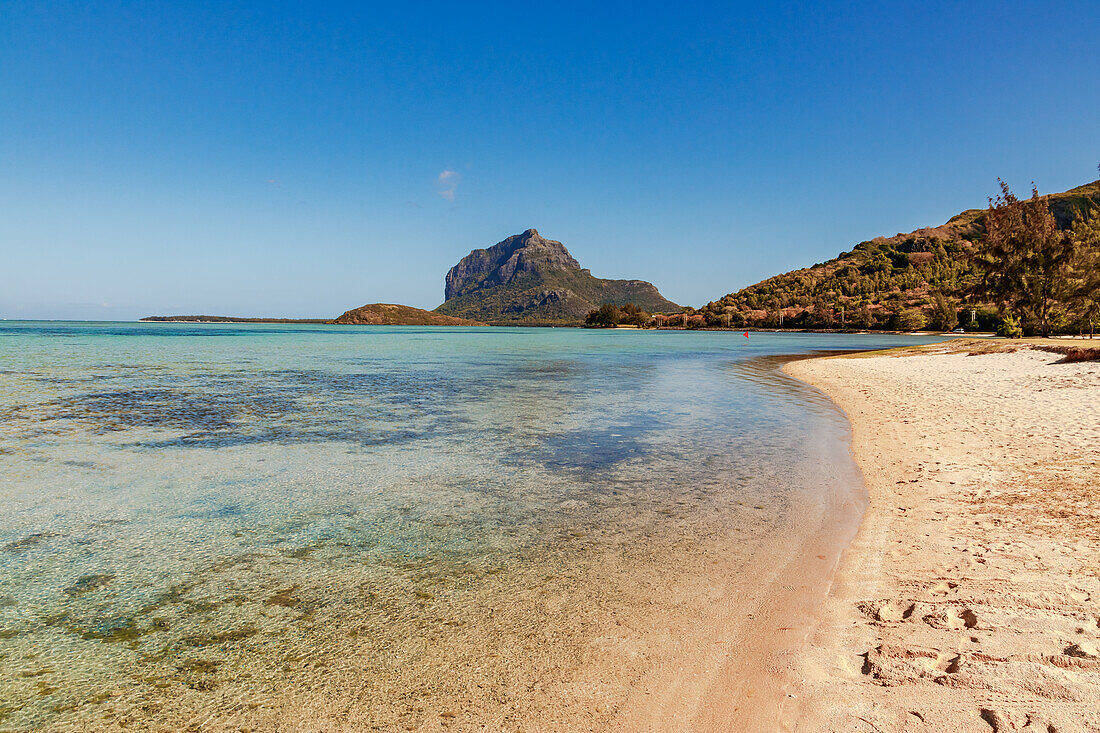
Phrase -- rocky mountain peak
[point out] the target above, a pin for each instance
(528, 277)
(526, 254)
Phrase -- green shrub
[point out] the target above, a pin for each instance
(909, 319)
(1010, 327)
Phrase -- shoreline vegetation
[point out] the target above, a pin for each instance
(968, 600)
(749, 329)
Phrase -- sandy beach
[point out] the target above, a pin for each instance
(970, 597)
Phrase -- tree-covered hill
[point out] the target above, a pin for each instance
(926, 278)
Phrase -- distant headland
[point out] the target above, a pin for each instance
(230, 319)
(523, 280)
(372, 314)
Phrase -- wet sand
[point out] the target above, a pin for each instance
(970, 598)
(707, 638)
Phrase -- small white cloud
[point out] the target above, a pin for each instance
(446, 183)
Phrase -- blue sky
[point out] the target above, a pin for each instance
(300, 159)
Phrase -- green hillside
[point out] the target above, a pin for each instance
(906, 282)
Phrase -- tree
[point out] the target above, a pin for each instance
(823, 314)
(1026, 261)
(909, 319)
(774, 314)
(944, 315)
(632, 315)
(607, 316)
(1086, 282)
(863, 317)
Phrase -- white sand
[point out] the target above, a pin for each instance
(970, 598)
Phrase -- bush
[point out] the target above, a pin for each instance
(909, 319)
(1010, 327)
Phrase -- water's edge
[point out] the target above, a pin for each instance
(789, 703)
(276, 528)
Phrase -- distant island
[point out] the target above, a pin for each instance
(230, 319)
(524, 280)
(372, 314)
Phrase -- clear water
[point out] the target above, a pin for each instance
(249, 527)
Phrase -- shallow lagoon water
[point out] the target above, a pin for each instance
(253, 527)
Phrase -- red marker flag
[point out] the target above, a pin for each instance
(746, 334)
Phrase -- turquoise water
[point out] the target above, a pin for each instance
(222, 526)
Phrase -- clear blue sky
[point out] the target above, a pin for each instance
(299, 159)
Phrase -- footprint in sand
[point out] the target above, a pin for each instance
(1078, 595)
(1001, 722)
(1082, 650)
(887, 611)
(953, 618)
(943, 588)
(895, 611)
(961, 619)
(943, 662)
(996, 721)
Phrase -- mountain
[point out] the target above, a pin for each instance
(533, 280)
(904, 282)
(388, 314)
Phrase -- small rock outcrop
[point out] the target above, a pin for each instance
(390, 314)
